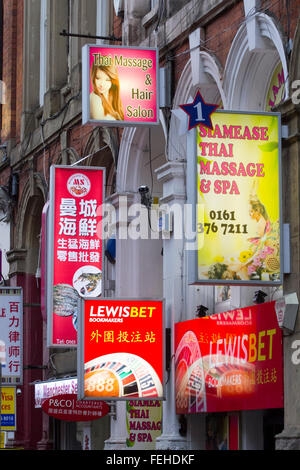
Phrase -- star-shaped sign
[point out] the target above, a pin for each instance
(199, 112)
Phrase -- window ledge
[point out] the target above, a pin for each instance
(149, 19)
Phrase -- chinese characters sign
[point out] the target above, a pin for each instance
(229, 361)
(119, 85)
(121, 349)
(76, 196)
(11, 335)
(66, 407)
(238, 199)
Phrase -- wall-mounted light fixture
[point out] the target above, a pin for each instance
(259, 297)
(146, 198)
(201, 311)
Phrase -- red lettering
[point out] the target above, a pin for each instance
(204, 186)
(225, 187)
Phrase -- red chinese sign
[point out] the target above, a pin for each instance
(229, 361)
(68, 408)
(121, 352)
(76, 196)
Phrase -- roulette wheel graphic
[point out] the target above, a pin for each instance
(228, 379)
(121, 375)
(189, 376)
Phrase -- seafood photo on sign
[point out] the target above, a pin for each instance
(87, 280)
(65, 300)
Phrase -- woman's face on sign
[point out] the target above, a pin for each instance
(102, 82)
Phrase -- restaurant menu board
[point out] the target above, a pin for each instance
(229, 361)
(76, 248)
(238, 199)
(121, 349)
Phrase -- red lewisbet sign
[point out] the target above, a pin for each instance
(68, 408)
(229, 361)
(121, 349)
(76, 249)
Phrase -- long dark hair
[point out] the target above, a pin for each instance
(113, 105)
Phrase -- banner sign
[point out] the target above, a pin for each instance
(75, 245)
(67, 408)
(229, 361)
(8, 408)
(238, 197)
(121, 349)
(3, 436)
(119, 85)
(11, 335)
(144, 423)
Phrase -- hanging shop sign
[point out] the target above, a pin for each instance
(8, 408)
(144, 423)
(11, 335)
(3, 436)
(75, 247)
(47, 389)
(229, 361)
(44, 260)
(119, 85)
(235, 179)
(121, 349)
(67, 408)
(276, 92)
(199, 112)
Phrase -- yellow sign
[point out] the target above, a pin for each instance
(2, 440)
(276, 91)
(238, 197)
(144, 423)
(8, 408)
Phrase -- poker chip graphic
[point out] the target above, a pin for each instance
(189, 376)
(121, 375)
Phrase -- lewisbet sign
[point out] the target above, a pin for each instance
(121, 349)
(229, 361)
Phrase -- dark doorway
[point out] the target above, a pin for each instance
(273, 424)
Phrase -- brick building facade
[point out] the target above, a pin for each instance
(42, 125)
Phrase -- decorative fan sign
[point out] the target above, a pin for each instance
(67, 408)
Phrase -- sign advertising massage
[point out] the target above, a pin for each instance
(238, 194)
(75, 247)
(121, 349)
(144, 423)
(119, 85)
(229, 361)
